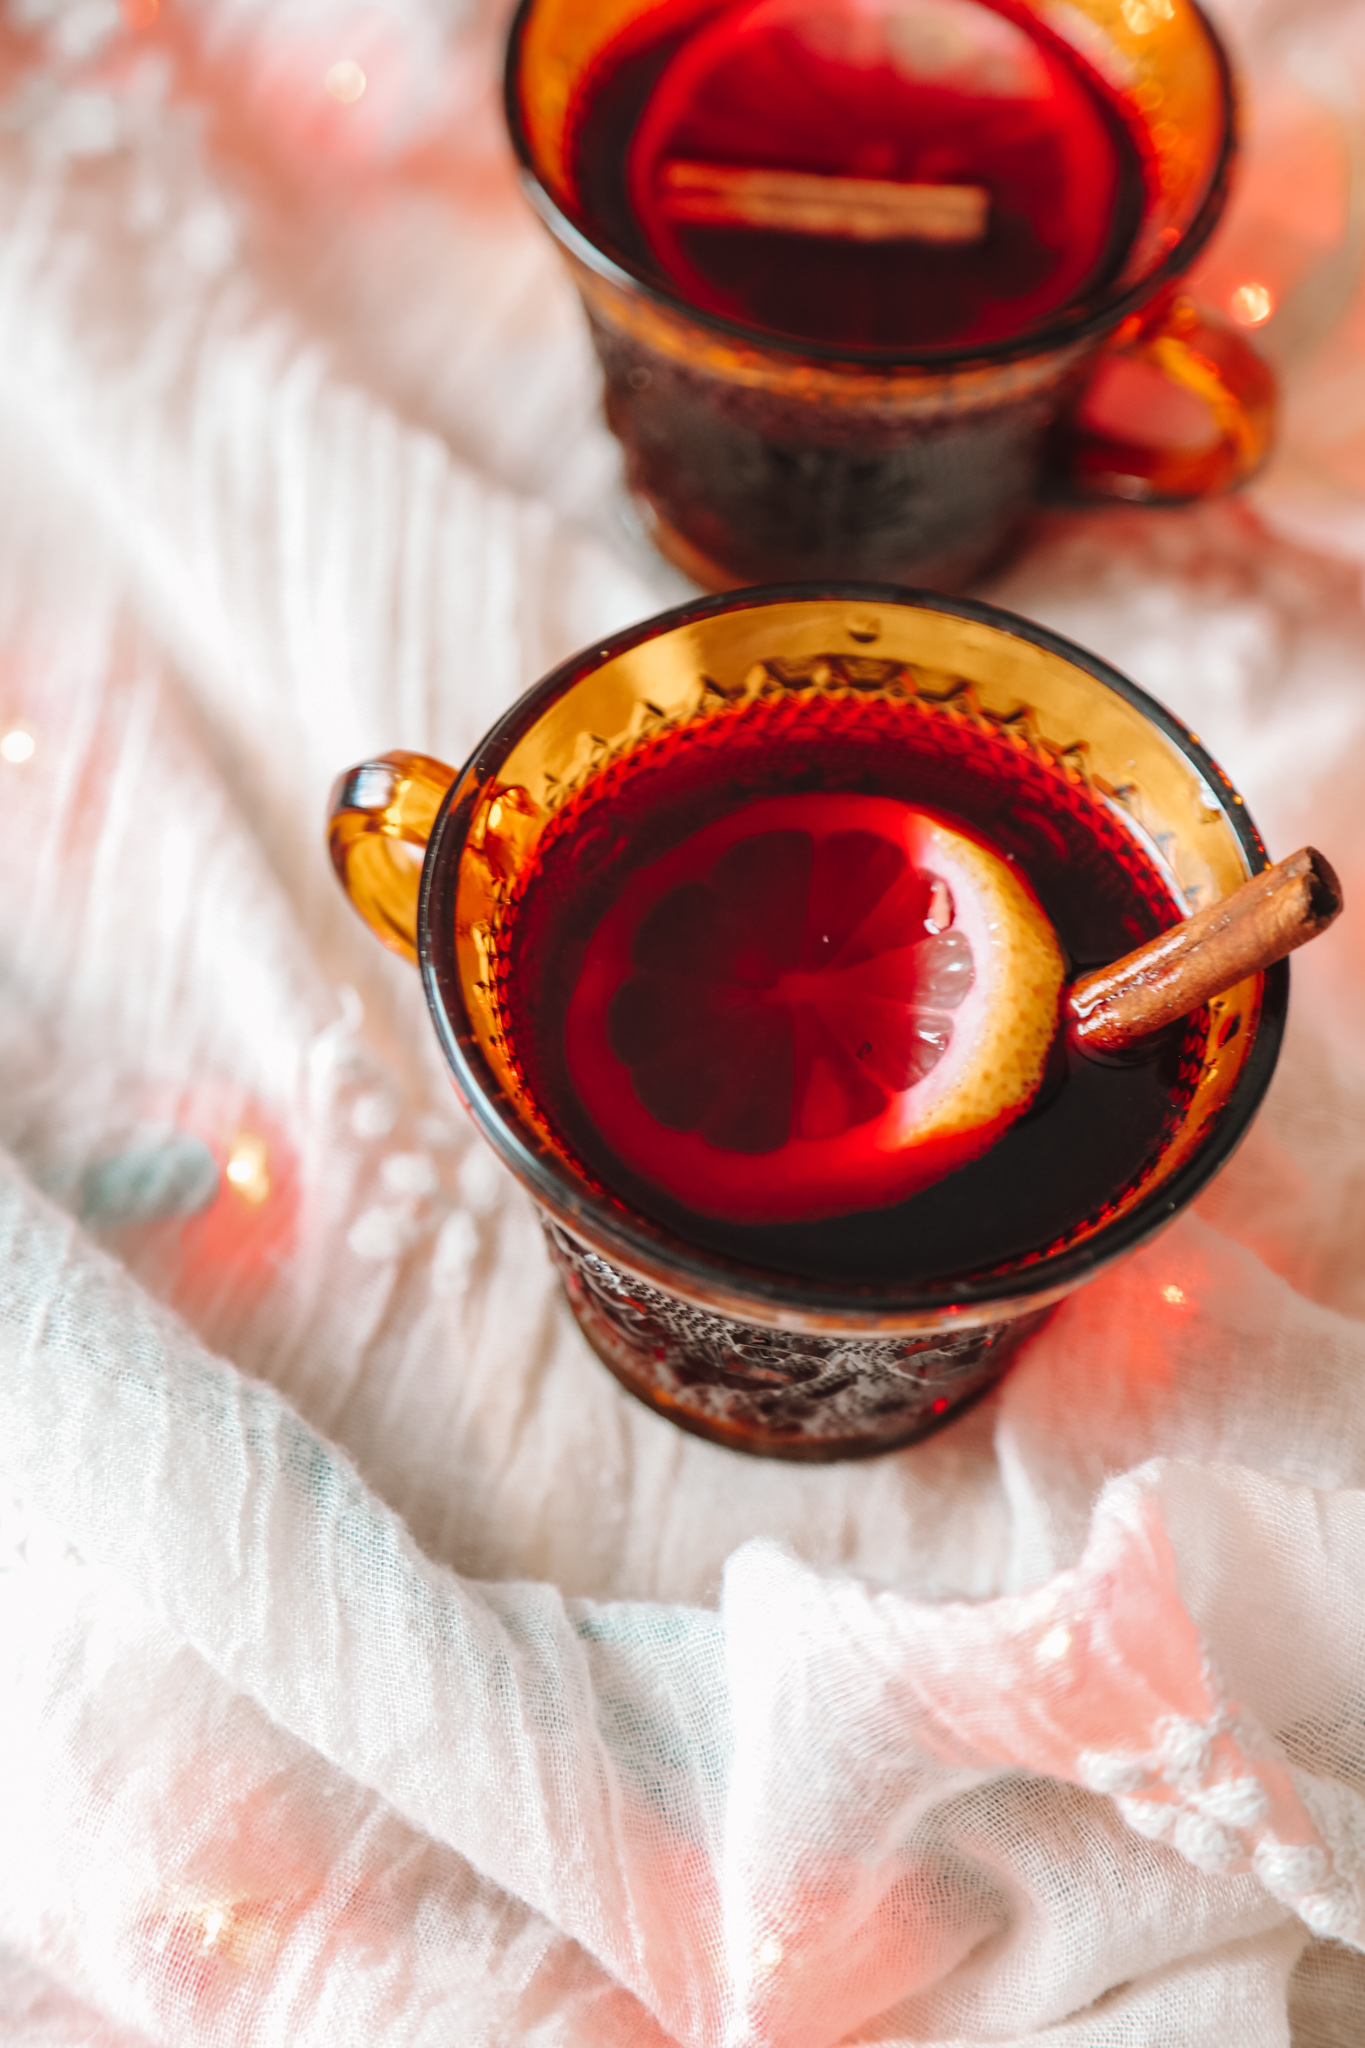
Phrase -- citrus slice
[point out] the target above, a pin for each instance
(814, 1004)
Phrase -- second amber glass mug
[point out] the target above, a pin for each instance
(786, 1366)
(753, 459)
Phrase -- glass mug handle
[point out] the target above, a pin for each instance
(379, 820)
(1196, 356)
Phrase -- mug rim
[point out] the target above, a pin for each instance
(660, 1255)
(1082, 322)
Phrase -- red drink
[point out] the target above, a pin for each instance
(747, 950)
(850, 265)
(950, 94)
(697, 999)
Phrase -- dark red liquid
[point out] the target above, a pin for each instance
(949, 93)
(1092, 1130)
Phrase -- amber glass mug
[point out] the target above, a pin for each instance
(792, 1366)
(753, 458)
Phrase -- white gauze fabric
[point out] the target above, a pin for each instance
(372, 1669)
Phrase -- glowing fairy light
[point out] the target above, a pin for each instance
(1142, 16)
(248, 1168)
(1175, 1296)
(345, 81)
(206, 1938)
(1252, 304)
(212, 1921)
(769, 1953)
(18, 745)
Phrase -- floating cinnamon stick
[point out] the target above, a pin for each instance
(1171, 975)
(806, 203)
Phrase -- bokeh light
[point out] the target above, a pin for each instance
(1252, 304)
(345, 81)
(248, 1168)
(18, 745)
(212, 1920)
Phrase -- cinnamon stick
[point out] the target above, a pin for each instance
(808, 203)
(1258, 924)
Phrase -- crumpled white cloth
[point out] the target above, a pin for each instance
(372, 1669)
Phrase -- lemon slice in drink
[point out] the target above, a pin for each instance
(815, 1004)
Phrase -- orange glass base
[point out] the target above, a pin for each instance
(806, 1397)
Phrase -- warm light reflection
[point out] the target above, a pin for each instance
(345, 81)
(202, 1946)
(18, 745)
(769, 1953)
(248, 1168)
(1252, 304)
(1141, 16)
(212, 1921)
(1175, 1295)
(141, 13)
